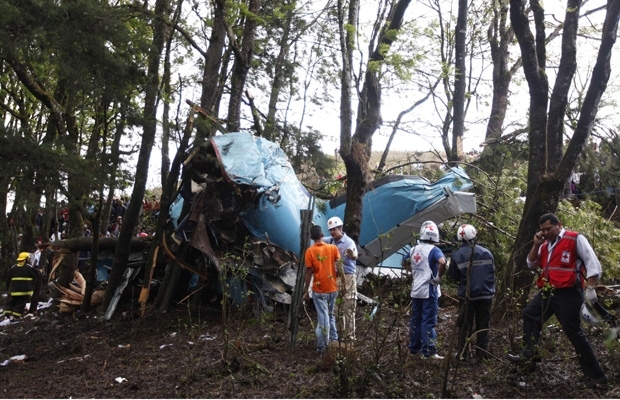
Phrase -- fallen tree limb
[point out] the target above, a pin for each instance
(86, 243)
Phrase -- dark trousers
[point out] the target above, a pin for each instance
(474, 313)
(15, 306)
(566, 305)
(36, 294)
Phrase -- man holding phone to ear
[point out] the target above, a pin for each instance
(566, 261)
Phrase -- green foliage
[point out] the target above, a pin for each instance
(499, 204)
(602, 234)
(599, 170)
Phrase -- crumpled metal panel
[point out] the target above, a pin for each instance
(275, 216)
(251, 193)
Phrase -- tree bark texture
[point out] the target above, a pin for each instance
(85, 243)
(130, 221)
(368, 121)
(559, 95)
(279, 79)
(500, 36)
(241, 66)
(545, 185)
(347, 45)
(211, 92)
(460, 82)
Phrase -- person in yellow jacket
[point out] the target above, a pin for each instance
(20, 284)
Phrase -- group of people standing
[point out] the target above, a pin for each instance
(472, 267)
(564, 259)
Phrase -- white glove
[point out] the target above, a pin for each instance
(590, 294)
(436, 281)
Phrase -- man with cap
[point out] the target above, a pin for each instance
(20, 284)
(473, 268)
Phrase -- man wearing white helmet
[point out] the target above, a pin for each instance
(427, 266)
(473, 268)
(348, 254)
(566, 262)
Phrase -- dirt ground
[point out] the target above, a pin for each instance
(182, 354)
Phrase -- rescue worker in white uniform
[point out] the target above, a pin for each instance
(427, 265)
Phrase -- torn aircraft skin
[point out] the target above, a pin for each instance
(238, 189)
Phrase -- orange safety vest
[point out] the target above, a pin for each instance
(560, 270)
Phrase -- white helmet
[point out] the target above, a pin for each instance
(589, 316)
(430, 233)
(425, 224)
(333, 222)
(466, 232)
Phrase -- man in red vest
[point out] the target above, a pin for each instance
(565, 261)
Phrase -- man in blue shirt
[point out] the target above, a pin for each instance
(348, 254)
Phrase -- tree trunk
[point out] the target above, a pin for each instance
(559, 95)
(115, 161)
(279, 79)
(211, 92)
(241, 66)
(167, 198)
(545, 185)
(130, 221)
(500, 37)
(347, 45)
(460, 83)
(6, 251)
(85, 243)
(356, 151)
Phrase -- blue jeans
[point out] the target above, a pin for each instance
(326, 326)
(422, 334)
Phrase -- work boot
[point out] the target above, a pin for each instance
(516, 358)
(596, 382)
(520, 358)
(433, 357)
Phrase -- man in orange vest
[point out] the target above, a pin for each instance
(565, 261)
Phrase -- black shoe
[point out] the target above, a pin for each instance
(593, 382)
(520, 358)
(516, 358)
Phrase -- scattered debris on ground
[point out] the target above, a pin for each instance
(203, 355)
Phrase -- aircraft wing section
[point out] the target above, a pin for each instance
(452, 204)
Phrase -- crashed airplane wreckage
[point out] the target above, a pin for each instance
(237, 217)
(238, 189)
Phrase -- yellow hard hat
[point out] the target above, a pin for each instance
(23, 256)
